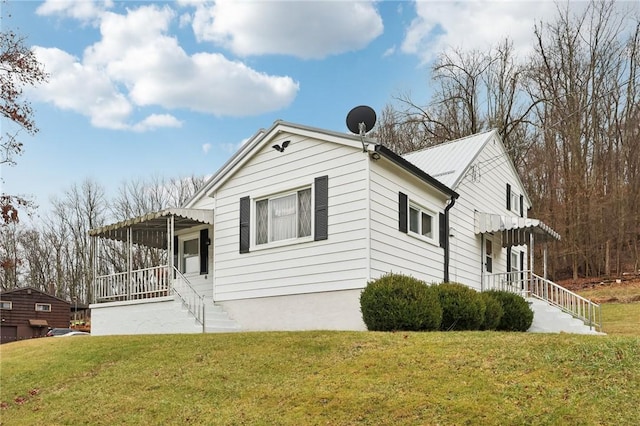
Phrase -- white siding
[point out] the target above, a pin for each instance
(485, 193)
(395, 251)
(337, 263)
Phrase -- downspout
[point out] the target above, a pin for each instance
(446, 239)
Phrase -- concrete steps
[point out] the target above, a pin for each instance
(550, 319)
(216, 319)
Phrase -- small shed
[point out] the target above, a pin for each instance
(27, 312)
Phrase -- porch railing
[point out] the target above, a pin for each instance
(150, 283)
(139, 284)
(528, 284)
(191, 299)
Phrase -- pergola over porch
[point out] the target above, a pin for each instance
(155, 230)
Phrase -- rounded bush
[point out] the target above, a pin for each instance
(493, 312)
(517, 315)
(396, 302)
(462, 307)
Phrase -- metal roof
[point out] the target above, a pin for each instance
(449, 161)
(515, 230)
(151, 229)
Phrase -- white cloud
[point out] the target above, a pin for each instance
(83, 10)
(305, 29)
(206, 148)
(155, 121)
(138, 64)
(442, 26)
(81, 88)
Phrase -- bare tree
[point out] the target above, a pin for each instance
(19, 68)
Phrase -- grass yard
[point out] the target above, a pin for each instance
(313, 378)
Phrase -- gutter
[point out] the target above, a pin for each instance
(446, 240)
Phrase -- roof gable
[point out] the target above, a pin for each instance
(33, 290)
(262, 138)
(448, 162)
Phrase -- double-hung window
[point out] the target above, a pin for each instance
(283, 217)
(420, 221)
(515, 202)
(6, 305)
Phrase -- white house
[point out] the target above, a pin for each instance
(289, 231)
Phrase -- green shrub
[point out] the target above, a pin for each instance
(517, 315)
(493, 312)
(462, 307)
(399, 302)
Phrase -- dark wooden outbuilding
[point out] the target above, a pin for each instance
(28, 312)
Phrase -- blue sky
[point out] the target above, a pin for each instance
(142, 89)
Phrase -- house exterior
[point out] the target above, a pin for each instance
(289, 231)
(26, 313)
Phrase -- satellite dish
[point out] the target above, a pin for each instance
(361, 120)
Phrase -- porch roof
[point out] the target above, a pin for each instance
(151, 229)
(515, 230)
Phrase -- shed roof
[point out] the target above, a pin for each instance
(151, 229)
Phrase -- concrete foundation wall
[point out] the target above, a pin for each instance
(337, 310)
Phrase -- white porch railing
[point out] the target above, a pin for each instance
(528, 284)
(139, 284)
(150, 283)
(191, 299)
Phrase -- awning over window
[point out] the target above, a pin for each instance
(151, 229)
(515, 230)
(38, 323)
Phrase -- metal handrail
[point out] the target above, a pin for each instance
(527, 283)
(194, 301)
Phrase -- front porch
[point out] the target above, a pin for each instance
(153, 258)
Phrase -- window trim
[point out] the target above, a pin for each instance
(6, 305)
(276, 195)
(182, 238)
(435, 232)
(42, 305)
(515, 202)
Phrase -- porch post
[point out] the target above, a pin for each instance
(170, 236)
(129, 262)
(482, 260)
(544, 260)
(531, 246)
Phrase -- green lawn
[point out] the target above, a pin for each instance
(313, 378)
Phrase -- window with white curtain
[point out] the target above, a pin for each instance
(283, 217)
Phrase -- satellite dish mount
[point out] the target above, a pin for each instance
(361, 120)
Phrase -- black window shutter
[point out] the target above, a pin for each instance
(204, 251)
(403, 204)
(175, 253)
(442, 228)
(508, 197)
(521, 205)
(508, 259)
(321, 198)
(245, 217)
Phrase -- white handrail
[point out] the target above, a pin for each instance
(193, 301)
(529, 284)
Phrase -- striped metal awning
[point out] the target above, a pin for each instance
(515, 230)
(151, 229)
